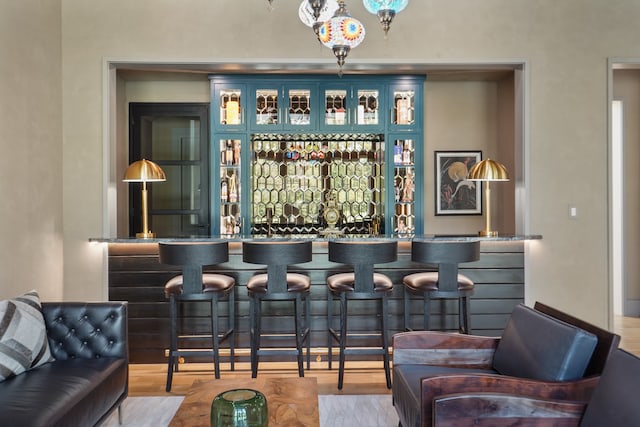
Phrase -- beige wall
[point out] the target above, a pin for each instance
(565, 45)
(31, 142)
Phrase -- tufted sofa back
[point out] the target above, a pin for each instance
(86, 330)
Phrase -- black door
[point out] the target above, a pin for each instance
(175, 136)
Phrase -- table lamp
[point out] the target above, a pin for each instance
(488, 170)
(144, 171)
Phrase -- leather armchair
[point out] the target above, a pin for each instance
(613, 402)
(538, 355)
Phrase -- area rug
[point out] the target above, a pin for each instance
(335, 411)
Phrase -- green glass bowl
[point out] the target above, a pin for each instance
(239, 408)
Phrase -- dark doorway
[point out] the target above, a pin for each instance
(175, 136)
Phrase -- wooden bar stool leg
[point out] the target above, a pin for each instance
(253, 334)
(329, 328)
(173, 339)
(232, 328)
(215, 340)
(407, 314)
(307, 327)
(383, 331)
(343, 338)
(299, 334)
(426, 310)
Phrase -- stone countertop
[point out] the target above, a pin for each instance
(442, 237)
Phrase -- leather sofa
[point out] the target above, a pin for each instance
(88, 378)
(542, 352)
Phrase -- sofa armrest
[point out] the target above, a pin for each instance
(499, 409)
(438, 386)
(443, 349)
(87, 330)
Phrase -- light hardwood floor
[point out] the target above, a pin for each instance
(360, 377)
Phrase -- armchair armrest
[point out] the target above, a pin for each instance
(500, 409)
(443, 349)
(433, 388)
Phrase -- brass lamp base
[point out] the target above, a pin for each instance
(147, 235)
(488, 233)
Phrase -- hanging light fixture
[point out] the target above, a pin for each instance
(341, 33)
(313, 13)
(386, 10)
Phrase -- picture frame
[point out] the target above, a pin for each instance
(454, 194)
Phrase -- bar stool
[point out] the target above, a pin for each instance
(278, 285)
(361, 284)
(194, 286)
(445, 283)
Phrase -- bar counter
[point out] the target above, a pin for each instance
(136, 276)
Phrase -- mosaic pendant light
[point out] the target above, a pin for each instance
(341, 33)
(386, 10)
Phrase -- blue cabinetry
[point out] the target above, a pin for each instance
(283, 145)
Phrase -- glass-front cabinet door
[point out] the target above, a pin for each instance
(351, 107)
(405, 106)
(227, 184)
(229, 106)
(406, 187)
(267, 106)
(301, 113)
(278, 106)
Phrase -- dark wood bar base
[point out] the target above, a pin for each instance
(136, 276)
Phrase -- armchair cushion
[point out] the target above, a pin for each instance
(407, 388)
(535, 345)
(614, 402)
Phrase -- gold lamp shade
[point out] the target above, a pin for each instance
(144, 171)
(488, 170)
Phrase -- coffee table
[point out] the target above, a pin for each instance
(291, 401)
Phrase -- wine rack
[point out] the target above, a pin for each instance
(292, 175)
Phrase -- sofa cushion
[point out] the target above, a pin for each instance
(407, 388)
(537, 346)
(74, 392)
(613, 402)
(23, 336)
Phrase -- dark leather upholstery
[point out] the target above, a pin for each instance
(614, 400)
(537, 346)
(428, 281)
(295, 283)
(88, 379)
(210, 283)
(344, 282)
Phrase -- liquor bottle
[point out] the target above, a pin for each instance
(233, 188)
(406, 153)
(228, 155)
(224, 190)
(236, 152)
(397, 154)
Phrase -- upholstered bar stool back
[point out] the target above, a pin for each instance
(446, 282)
(193, 285)
(278, 285)
(364, 284)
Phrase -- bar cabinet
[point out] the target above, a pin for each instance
(284, 148)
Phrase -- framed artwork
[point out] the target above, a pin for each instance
(455, 195)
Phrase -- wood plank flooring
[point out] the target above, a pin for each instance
(360, 377)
